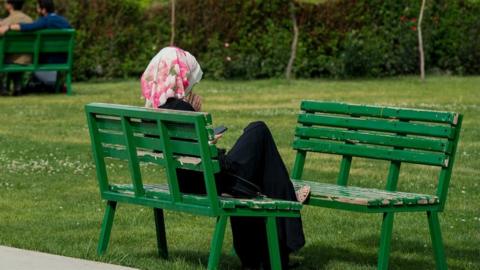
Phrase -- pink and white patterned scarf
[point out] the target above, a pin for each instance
(171, 73)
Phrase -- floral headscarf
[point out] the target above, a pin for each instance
(171, 73)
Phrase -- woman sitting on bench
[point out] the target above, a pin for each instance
(167, 83)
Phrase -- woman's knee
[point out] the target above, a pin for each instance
(258, 126)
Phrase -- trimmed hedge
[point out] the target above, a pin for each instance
(251, 39)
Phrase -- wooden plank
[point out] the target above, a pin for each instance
(260, 203)
(175, 130)
(365, 196)
(179, 147)
(19, 44)
(180, 162)
(160, 192)
(377, 125)
(58, 43)
(152, 201)
(148, 127)
(112, 138)
(32, 67)
(144, 113)
(380, 111)
(421, 143)
(427, 158)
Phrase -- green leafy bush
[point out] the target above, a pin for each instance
(252, 39)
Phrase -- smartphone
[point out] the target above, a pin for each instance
(219, 130)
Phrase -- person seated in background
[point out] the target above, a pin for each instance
(15, 16)
(167, 84)
(48, 20)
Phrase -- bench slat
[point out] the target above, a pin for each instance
(365, 196)
(181, 162)
(427, 158)
(178, 147)
(179, 131)
(378, 111)
(146, 114)
(175, 131)
(181, 147)
(31, 67)
(161, 191)
(54, 44)
(20, 44)
(377, 139)
(377, 125)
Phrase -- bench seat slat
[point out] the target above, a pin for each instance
(377, 139)
(378, 111)
(365, 196)
(377, 125)
(427, 158)
(161, 191)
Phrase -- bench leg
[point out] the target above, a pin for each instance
(106, 227)
(69, 83)
(436, 235)
(217, 241)
(58, 83)
(386, 236)
(161, 235)
(273, 247)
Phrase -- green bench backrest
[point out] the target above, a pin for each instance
(38, 42)
(172, 139)
(386, 133)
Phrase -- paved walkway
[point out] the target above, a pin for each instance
(19, 259)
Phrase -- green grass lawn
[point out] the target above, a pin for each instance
(49, 199)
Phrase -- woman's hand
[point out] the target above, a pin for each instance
(216, 138)
(194, 100)
(3, 29)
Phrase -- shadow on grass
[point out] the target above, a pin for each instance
(424, 249)
(197, 258)
(321, 256)
(318, 256)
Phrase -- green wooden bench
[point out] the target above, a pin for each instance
(396, 135)
(170, 139)
(38, 44)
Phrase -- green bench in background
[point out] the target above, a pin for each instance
(171, 140)
(38, 44)
(396, 135)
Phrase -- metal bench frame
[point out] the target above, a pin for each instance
(396, 135)
(172, 140)
(35, 44)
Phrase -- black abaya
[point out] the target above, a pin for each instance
(254, 157)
